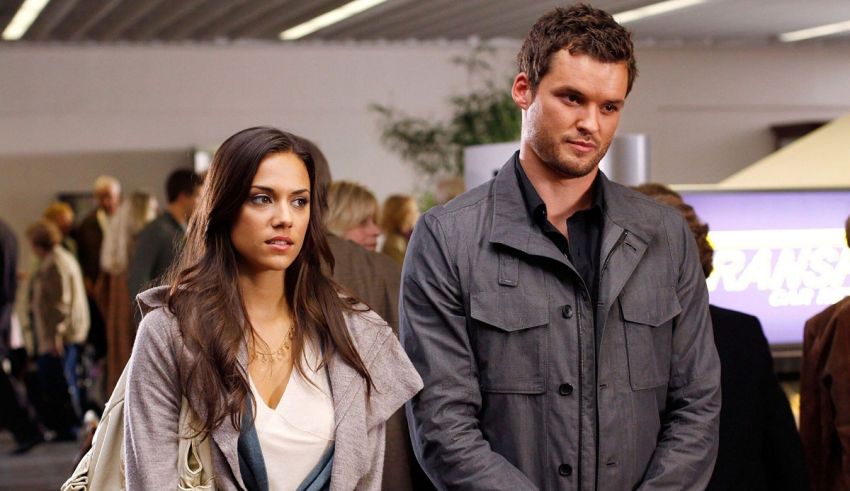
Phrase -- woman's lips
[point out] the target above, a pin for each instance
(280, 244)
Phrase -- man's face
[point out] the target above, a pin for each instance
(108, 198)
(570, 120)
(189, 201)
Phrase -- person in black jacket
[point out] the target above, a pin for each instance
(760, 447)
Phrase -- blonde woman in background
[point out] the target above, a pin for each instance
(353, 214)
(397, 220)
(118, 247)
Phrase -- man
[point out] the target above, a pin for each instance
(559, 320)
(160, 241)
(89, 234)
(825, 394)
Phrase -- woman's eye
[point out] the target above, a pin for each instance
(300, 202)
(261, 199)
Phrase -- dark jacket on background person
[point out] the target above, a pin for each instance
(825, 398)
(374, 279)
(8, 283)
(89, 238)
(759, 445)
(499, 325)
(157, 245)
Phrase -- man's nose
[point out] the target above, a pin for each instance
(588, 121)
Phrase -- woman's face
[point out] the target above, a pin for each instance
(366, 234)
(270, 229)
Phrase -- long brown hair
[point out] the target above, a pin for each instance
(205, 298)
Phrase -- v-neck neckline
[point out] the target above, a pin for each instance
(259, 396)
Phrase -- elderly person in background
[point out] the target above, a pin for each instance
(353, 213)
(61, 319)
(397, 220)
(62, 215)
(89, 234)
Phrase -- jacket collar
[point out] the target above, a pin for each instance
(514, 227)
(346, 386)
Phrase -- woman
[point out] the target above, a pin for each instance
(292, 381)
(119, 244)
(397, 220)
(61, 320)
(353, 214)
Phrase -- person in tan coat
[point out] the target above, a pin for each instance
(825, 395)
(61, 319)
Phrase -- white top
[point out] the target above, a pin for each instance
(296, 434)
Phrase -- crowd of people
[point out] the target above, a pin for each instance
(550, 329)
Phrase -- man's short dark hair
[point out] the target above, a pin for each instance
(580, 29)
(181, 181)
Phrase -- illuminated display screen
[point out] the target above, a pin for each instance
(779, 255)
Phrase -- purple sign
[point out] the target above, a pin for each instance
(779, 255)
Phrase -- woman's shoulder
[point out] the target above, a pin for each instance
(159, 326)
(366, 326)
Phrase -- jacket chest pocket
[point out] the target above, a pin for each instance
(509, 335)
(648, 324)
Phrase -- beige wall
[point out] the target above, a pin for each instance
(706, 111)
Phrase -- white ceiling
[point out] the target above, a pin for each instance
(737, 22)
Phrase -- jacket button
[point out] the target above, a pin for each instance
(565, 470)
(565, 389)
(567, 311)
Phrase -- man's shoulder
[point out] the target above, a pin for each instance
(645, 216)
(464, 210)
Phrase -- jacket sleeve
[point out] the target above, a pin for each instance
(152, 407)
(442, 417)
(688, 441)
(837, 381)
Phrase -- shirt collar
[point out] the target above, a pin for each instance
(534, 204)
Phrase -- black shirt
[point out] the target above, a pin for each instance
(584, 228)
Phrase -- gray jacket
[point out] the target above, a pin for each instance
(518, 394)
(152, 405)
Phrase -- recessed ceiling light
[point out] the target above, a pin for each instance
(815, 32)
(654, 9)
(23, 19)
(336, 15)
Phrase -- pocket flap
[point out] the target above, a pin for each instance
(509, 311)
(651, 307)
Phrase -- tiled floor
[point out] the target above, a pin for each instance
(45, 467)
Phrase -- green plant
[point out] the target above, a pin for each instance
(485, 114)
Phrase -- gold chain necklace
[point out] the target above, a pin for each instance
(280, 353)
